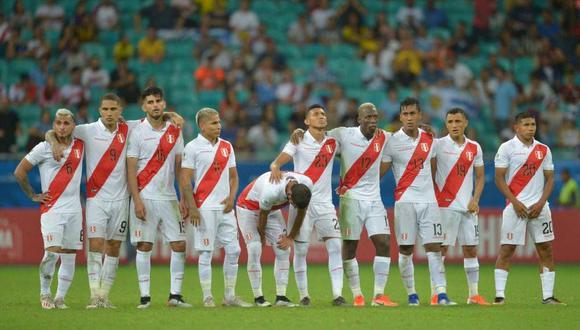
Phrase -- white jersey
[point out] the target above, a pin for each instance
(199, 155)
(513, 154)
(308, 155)
(70, 199)
(400, 149)
(97, 140)
(448, 153)
(352, 146)
(143, 143)
(261, 194)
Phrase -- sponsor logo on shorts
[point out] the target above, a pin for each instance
(510, 236)
(205, 242)
(404, 236)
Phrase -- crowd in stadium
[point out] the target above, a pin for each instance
(261, 63)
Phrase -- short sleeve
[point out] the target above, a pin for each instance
(133, 123)
(37, 154)
(502, 157)
(188, 157)
(548, 164)
(384, 157)
(266, 198)
(179, 144)
(133, 144)
(336, 133)
(290, 149)
(433, 149)
(388, 153)
(478, 157)
(81, 132)
(232, 160)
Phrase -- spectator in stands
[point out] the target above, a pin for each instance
(459, 73)
(124, 82)
(434, 17)
(340, 102)
(20, 18)
(407, 58)
(74, 93)
(49, 96)
(237, 76)
(330, 35)
(410, 16)
(546, 69)
(106, 15)
(485, 85)
(521, 16)
(537, 91)
(40, 72)
(403, 75)
(461, 43)
(505, 98)
(230, 106)
(321, 75)
(259, 40)
(9, 127)
(222, 57)
(94, 75)
(390, 105)
(5, 33)
(382, 30)
(374, 76)
(321, 15)
(301, 32)
(83, 116)
(38, 47)
(244, 22)
(350, 117)
(86, 30)
(242, 145)
(347, 8)
(263, 137)
(278, 59)
(569, 195)
(288, 91)
(151, 48)
(553, 116)
(353, 32)
(431, 75)
(15, 47)
(22, 92)
(44, 124)
(163, 18)
(483, 13)
(66, 38)
(266, 88)
(203, 40)
(73, 57)
(219, 18)
(569, 135)
(208, 76)
(51, 15)
(123, 49)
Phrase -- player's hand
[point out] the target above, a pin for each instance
(521, 209)
(228, 205)
(43, 198)
(57, 151)
(195, 217)
(297, 136)
(140, 211)
(275, 175)
(285, 242)
(473, 207)
(427, 128)
(121, 119)
(177, 120)
(183, 209)
(535, 210)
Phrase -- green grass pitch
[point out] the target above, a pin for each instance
(20, 308)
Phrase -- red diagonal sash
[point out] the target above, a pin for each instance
(455, 178)
(166, 144)
(213, 174)
(528, 169)
(107, 162)
(251, 205)
(321, 160)
(414, 165)
(362, 164)
(64, 175)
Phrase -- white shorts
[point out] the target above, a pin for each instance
(354, 214)
(107, 219)
(320, 216)
(459, 226)
(163, 215)
(62, 229)
(248, 223)
(513, 229)
(422, 218)
(217, 229)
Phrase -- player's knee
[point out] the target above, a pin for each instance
(433, 247)
(406, 249)
(177, 246)
(254, 250)
(381, 244)
(113, 247)
(53, 249)
(282, 254)
(204, 257)
(333, 246)
(300, 249)
(544, 250)
(232, 250)
(144, 246)
(96, 244)
(507, 251)
(469, 251)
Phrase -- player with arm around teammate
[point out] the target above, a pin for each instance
(210, 162)
(457, 160)
(524, 174)
(261, 221)
(60, 206)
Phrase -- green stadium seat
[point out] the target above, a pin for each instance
(29, 113)
(210, 99)
(523, 66)
(283, 113)
(133, 112)
(94, 49)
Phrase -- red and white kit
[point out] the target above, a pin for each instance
(525, 178)
(360, 199)
(61, 219)
(155, 151)
(211, 163)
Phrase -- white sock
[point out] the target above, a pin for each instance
(381, 267)
(108, 274)
(143, 264)
(351, 270)
(501, 277)
(471, 266)
(431, 278)
(300, 268)
(255, 267)
(46, 271)
(548, 279)
(66, 273)
(333, 246)
(407, 270)
(176, 268)
(437, 271)
(94, 266)
(204, 270)
(232, 254)
(281, 270)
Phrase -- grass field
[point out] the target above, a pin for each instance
(20, 308)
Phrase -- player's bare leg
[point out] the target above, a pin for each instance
(177, 269)
(46, 270)
(471, 266)
(109, 271)
(502, 266)
(334, 247)
(407, 270)
(351, 270)
(381, 266)
(547, 273)
(66, 273)
(94, 269)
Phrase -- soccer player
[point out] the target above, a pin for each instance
(261, 221)
(60, 206)
(524, 173)
(457, 159)
(107, 209)
(416, 211)
(313, 157)
(211, 162)
(153, 161)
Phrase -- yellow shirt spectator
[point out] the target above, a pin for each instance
(151, 48)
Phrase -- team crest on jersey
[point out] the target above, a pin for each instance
(206, 242)
(224, 152)
(329, 149)
(469, 155)
(539, 155)
(77, 153)
(510, 236)
(121, 138)
(424, 146)
(170, 138)
(377, 147)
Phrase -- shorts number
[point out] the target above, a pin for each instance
(123, 227)
(81, 236)
(182, 227)
(335, 224)
(437, 229)
(476, 228)
(547, 228)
